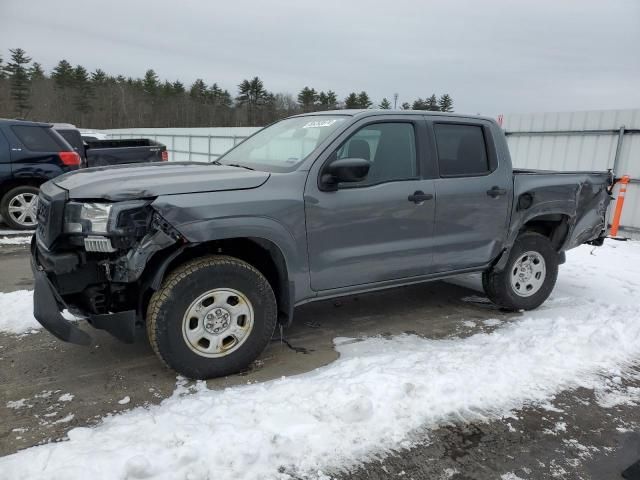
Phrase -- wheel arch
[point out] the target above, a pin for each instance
(15, 182)
(556, 226)
(263, 254)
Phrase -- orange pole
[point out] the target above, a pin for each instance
(624, 181)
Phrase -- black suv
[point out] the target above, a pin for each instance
(30, 154)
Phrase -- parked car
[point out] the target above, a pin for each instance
(101, 153)
(211, 257)
(30, 154)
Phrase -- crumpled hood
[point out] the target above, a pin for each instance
(143, 180)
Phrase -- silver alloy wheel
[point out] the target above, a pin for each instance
(23, 209)
(528, 273)
(218, 322)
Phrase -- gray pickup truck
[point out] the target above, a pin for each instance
(211, 257)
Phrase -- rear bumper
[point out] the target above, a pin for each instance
(48, 305)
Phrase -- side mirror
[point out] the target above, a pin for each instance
(345, 170)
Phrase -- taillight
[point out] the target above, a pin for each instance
(164, 156)
(69, 158)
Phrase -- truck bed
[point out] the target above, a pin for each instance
(117, 152)
(582, 197)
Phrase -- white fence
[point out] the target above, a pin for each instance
(190, 144)
(591, 140)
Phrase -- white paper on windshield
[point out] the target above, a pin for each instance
(320, 123)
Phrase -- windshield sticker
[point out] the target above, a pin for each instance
(320, 123)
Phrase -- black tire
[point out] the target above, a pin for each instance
(498, 286)
(168, 307)
(6, 201)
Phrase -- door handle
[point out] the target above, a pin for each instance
(496, 192)
(419, 196)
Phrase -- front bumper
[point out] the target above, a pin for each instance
(48, 304)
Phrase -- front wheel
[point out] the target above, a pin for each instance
(529, 276)
(212, 317)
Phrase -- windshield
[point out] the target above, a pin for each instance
(283, 145)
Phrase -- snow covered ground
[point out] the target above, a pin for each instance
(381, 395)
(16, 312)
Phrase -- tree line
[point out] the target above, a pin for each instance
(72, 94)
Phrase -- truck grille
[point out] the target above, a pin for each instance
(49, 214)
(42, 215)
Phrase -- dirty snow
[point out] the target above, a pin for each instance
(65, 397)
(16, 404)
(16, 313)
(381, 394)
(16, 240)
(125, 400)
(66, 419)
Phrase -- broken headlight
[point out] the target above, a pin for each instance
(122, 222)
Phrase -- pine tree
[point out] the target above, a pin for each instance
(352, 101)
(385, 104)
(332, 100)
(19, 80)
(35, 72)
(363, 100)
(198, 90)
(432, 103)
(307, 99)
(178, 87)
(419, 104)
(252, 95)
(3, 74)
(445, 103)
(99, 77)
(62, 74)
(150, 83)
(83, 90)
(406, 106)
(322, 101)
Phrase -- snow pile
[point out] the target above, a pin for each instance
(15, 240)
(378, 396)
(16, 312)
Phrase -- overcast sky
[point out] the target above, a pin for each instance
(491, 56)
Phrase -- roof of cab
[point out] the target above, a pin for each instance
(379, 112)
(13, 121)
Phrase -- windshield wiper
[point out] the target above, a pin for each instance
(236, 165)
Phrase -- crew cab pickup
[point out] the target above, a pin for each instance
(101, 153)
(30, 154)
(211, 257)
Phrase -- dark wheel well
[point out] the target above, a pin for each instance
(262, 254)
(20, 182)
(555, 227)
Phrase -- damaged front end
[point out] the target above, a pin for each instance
(90, 258)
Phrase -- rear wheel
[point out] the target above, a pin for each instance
(19, 207)
(529, 276)
(212, 316)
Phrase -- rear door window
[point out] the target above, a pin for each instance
(462, 150)
(36, 139)
(74, 139)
